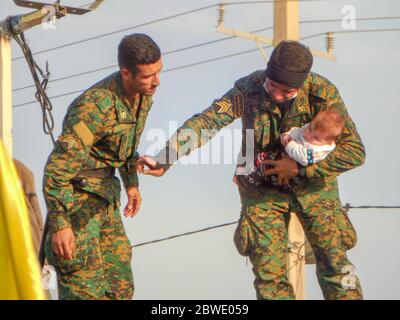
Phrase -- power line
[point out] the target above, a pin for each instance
(371, 207)
(165, 71)
(356, 19)
(204, 44)
(164, 54)
(53, 97)
(217, 59)
(184, 234)
(121, 30)
(347, 206)
(366, 31)
(153, 22)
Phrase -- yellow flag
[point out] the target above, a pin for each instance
(20, 277)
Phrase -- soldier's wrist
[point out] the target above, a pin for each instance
(129, 179)
(131, 183)
(58, 221)
(302, 171)
(131, 187)
(165, 167)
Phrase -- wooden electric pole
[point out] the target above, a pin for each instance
(5, 93)
(286, 27)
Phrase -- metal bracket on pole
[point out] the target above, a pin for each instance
(328, 54)
(15, 25)
(20, 23)
(245, 35)
(69, 10)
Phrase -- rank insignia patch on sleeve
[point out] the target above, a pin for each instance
(238, 98)
(222, 106)
(67, 142)
(83, 132)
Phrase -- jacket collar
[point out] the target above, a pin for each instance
(300, 104)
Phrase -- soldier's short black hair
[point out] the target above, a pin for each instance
(135, 49)
(292, 56)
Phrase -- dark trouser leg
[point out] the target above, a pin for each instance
(88, 275)
(262, 235)
(117, 255)
(82, 278)
(323, 225)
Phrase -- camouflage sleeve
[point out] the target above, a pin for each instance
(82, 128)
(129, 174)
(349, 152)
(202, 127)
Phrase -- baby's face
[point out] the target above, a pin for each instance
(315, 137)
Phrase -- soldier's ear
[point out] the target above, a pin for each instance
(125, 73)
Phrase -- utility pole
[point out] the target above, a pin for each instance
(16, 25)
(5, 93)
(286, 27)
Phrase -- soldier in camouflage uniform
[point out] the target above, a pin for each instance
(101, 131)
(270, 103)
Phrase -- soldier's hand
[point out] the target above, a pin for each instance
(63, 243)
(134, 202)
(285, 168)
(153, 167)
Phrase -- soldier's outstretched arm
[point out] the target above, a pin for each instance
(198, 130)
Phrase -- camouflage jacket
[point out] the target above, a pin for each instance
(249, 101)
(101, 129)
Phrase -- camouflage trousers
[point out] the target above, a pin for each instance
(262, 236)
(101, 267)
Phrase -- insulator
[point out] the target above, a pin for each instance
(329, 42)
(221, 13)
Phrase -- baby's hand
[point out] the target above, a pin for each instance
(285, 139)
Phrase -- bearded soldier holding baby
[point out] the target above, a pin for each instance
(271, 102)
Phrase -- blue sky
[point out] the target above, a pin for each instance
(207, 266)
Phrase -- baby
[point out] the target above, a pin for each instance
(314, 141)
(307, 145)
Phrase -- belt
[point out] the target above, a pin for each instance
(103, 173)
(107, 172)
(81, 180)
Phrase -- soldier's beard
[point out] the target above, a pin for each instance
(279, 100)
(142, 91)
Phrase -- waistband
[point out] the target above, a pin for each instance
(107, 172)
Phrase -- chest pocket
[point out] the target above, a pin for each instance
(265, 134)
(261, 124)
(297, 121)
(127, 142)
(144, 111)
(125, 132)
